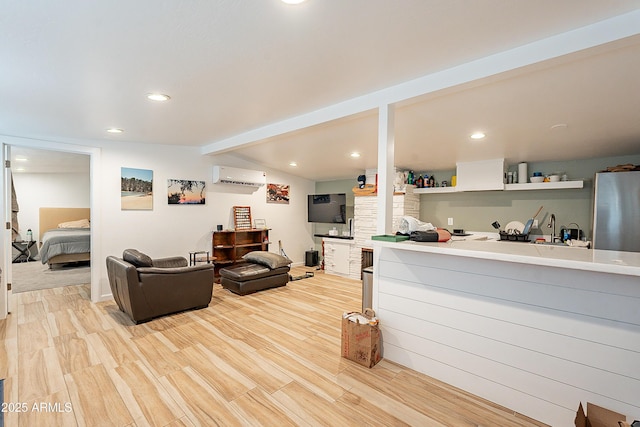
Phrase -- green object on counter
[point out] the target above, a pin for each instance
(390, 238)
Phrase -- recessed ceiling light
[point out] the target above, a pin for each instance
(477, 135)
(115, 130)
(158, 97)
(19, 169)
(292, 1)
(21, 159)
(355, 155)
(294, 164)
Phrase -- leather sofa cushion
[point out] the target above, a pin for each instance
(137, 258)
(250, 271)
(268, 259)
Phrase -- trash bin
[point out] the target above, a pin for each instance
(367, 288)
(311, 258)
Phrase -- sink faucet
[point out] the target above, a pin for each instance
(552, 223)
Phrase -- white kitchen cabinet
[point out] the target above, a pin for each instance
(480, 176)
(336, 256)
(485, 175)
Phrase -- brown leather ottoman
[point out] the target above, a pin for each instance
(246, 278)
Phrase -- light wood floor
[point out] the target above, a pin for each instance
(270, 358)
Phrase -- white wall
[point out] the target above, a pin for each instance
(288, 223)
(36, 190)
(176, 229)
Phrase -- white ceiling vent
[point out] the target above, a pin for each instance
(237, 176)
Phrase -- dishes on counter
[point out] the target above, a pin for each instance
(514, 227)
(536, 178)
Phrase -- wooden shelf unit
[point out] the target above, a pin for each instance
(228, 247)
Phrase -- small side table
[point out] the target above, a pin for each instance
(27, 251)
(194, 258)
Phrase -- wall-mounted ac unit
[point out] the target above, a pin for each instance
(237, 176)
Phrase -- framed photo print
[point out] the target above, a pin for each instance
(185, 192)
(278, 193)
(136, 189)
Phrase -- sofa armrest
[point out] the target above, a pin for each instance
(123, 277)
(176, 261)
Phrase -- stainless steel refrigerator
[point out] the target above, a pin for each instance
(616, 216)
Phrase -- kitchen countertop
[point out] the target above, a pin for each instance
(596, 260)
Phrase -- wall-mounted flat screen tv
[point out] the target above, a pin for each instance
(329, 208)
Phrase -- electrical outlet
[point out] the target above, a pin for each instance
(535, 224)
(450, 221)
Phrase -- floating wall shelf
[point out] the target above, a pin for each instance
(560, 185)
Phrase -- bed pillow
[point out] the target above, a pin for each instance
(81, 223)
(268, 259)
(137, 258)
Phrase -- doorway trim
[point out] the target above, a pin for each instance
(95, 163)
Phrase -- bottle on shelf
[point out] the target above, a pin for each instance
(29, 235)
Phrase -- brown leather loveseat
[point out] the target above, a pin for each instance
(145, 288)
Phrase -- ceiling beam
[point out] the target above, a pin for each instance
(587, 37)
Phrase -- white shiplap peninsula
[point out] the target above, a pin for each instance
(535, 328)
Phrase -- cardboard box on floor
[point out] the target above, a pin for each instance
(598, 416)
(361, 338)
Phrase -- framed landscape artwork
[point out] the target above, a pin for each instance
(185, 192)
(136, 189)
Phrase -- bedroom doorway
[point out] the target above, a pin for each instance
(50, 189)
(92, 157)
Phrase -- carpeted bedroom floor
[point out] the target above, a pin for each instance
(30, 276)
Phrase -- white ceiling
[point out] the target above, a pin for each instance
(71, 69)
